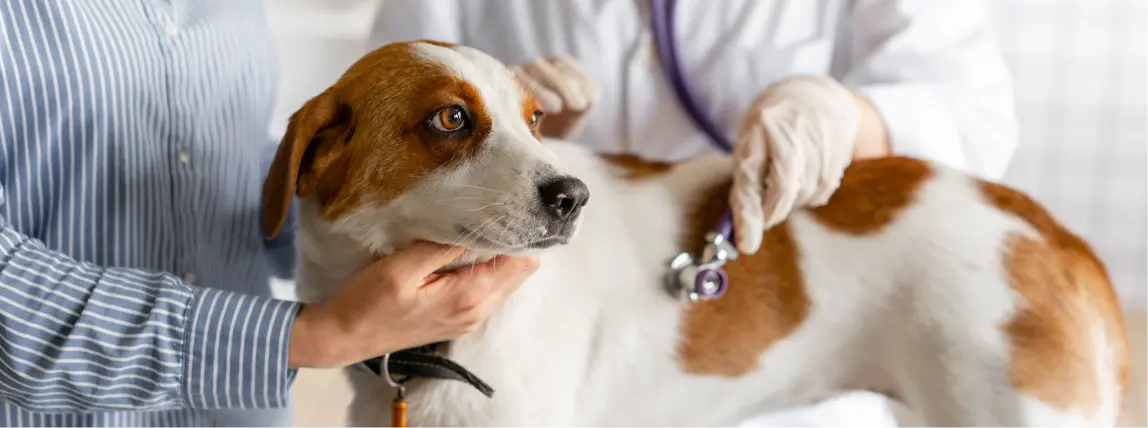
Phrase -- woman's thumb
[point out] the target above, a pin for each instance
(422, 259)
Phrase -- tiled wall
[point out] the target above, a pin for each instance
(1081, 70)
(1081, 95)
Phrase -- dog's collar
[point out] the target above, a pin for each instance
(423, 362)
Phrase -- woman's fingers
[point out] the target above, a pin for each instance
(409, 266)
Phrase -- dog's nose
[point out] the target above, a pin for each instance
(564, 197)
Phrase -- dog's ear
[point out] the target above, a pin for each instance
(316, 136)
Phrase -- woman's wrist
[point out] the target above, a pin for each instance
(872, 139)
(316, 341)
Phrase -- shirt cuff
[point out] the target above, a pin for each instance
(236, 348)
(918, 122)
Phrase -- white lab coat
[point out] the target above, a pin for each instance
(930, 67)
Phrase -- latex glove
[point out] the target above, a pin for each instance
(792, 147)
(565, 91)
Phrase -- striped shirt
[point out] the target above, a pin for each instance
(134, 282)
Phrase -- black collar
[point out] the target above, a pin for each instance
(424, 362)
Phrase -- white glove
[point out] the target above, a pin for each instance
(792, 147)
(565, 91)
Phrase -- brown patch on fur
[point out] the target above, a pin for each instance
(765, 302)
(1067, 296)
(872, 193)
(631, 167)
(766, 299)
(366, 138)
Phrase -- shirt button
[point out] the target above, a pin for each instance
(189, 277)
(171, 29)
(184, 155)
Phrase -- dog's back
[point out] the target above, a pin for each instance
(965, 299)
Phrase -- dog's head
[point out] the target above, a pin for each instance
(426, 141)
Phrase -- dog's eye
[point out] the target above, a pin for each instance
(449, 119)
(535, 118)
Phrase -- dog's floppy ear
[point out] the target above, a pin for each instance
(316, 136)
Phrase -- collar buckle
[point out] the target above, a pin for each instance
(424, 363)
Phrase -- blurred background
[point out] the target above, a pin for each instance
(1081, 87)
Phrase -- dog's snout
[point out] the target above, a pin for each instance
(564, 197)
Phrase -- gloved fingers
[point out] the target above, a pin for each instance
(550, 76)
(748, 219)
(551, 102)
(827, 182)
(778, 200)
(583, 90)
(748, 230)
(836, 157)
(746, 194)
(810, 163)
(783, 175)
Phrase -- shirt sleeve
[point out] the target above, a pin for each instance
(933, 70)
(400, 20)
(79, 337)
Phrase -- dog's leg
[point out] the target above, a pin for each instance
(959, 391)
(962, 384)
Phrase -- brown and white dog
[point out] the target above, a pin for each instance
(962, 299)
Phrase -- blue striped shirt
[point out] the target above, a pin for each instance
(134, 282)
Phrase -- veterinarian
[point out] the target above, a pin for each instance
(922, 78)
(133, 273)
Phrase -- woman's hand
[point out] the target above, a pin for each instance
(399, 302)
(565, 91)
(791, 149)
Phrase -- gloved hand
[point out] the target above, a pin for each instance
(565, 91)
(791, 149)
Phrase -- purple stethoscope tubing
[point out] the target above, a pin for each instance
(662, 12)
(663, 26)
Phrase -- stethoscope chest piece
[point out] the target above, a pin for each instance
(702, 278)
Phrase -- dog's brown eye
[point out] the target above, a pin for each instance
(449, 119)
(535, 118)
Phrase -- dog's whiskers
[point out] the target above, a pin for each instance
(485, 188)
(487, 206)
(473, 235)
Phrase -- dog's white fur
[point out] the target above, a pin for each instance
(591, 339)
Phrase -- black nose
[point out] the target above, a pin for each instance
(564, 197)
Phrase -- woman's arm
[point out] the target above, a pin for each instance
(872, 140)
(932, 71)
(79, 337)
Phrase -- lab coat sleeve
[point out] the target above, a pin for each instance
(75, 336)
(401, 20)
(934, 72)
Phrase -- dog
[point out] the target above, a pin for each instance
(962, 299)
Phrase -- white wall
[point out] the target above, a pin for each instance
(1081, 70)
(1081, 74)
(317, 41)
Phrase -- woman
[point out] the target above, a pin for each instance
(922, 78)
(133, 274)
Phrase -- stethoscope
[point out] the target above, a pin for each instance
(693, 278)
